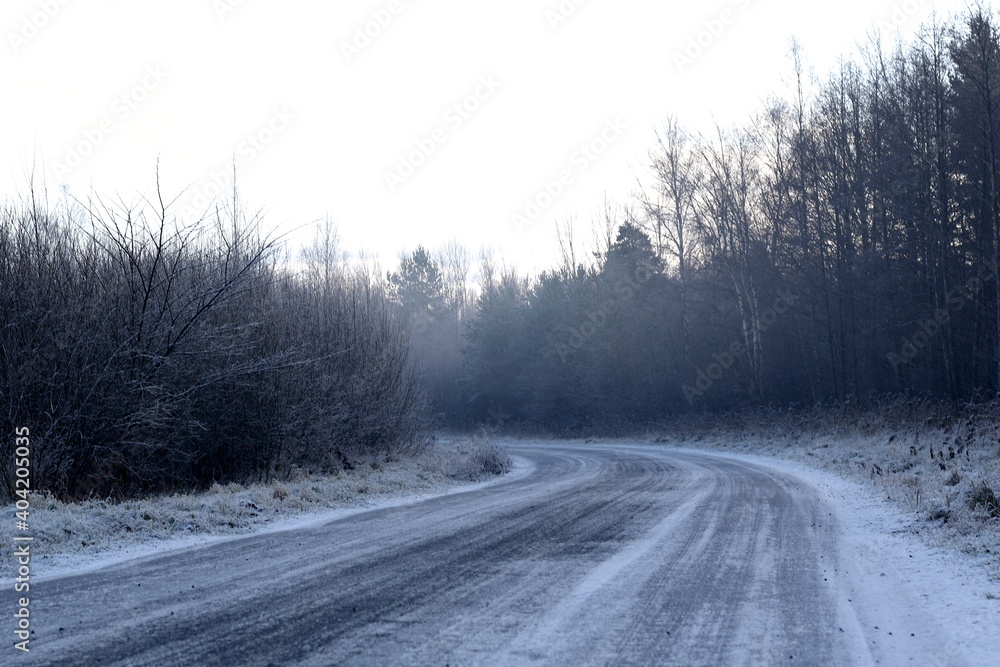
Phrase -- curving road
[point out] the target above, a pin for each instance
(599, 554)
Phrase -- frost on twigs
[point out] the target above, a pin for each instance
(983, 499)
(480, 458)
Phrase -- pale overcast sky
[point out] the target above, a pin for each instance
(407, 121)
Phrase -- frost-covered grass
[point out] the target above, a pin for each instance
(481, 458)
(943, 471)
(64, 531)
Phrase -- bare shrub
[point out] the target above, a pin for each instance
(148, 355)
(982, 497)
(483, 459)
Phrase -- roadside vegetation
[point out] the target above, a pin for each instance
(481, 458)
(67, 532)
(149, 354)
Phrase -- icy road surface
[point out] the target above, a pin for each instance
(592, 555)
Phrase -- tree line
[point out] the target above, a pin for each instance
(842, 243)
(148, 354)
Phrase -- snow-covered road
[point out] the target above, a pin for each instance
(593, 554)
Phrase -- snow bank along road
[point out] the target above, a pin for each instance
(598, 554)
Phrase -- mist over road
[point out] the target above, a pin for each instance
(596, 554)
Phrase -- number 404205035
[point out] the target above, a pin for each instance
(22, 463)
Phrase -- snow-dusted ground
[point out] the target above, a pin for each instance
(931, 496)
(599, 554)
(78, 537)
(905, 571)
(902, 580)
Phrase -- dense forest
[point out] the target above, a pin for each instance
(841, 245)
